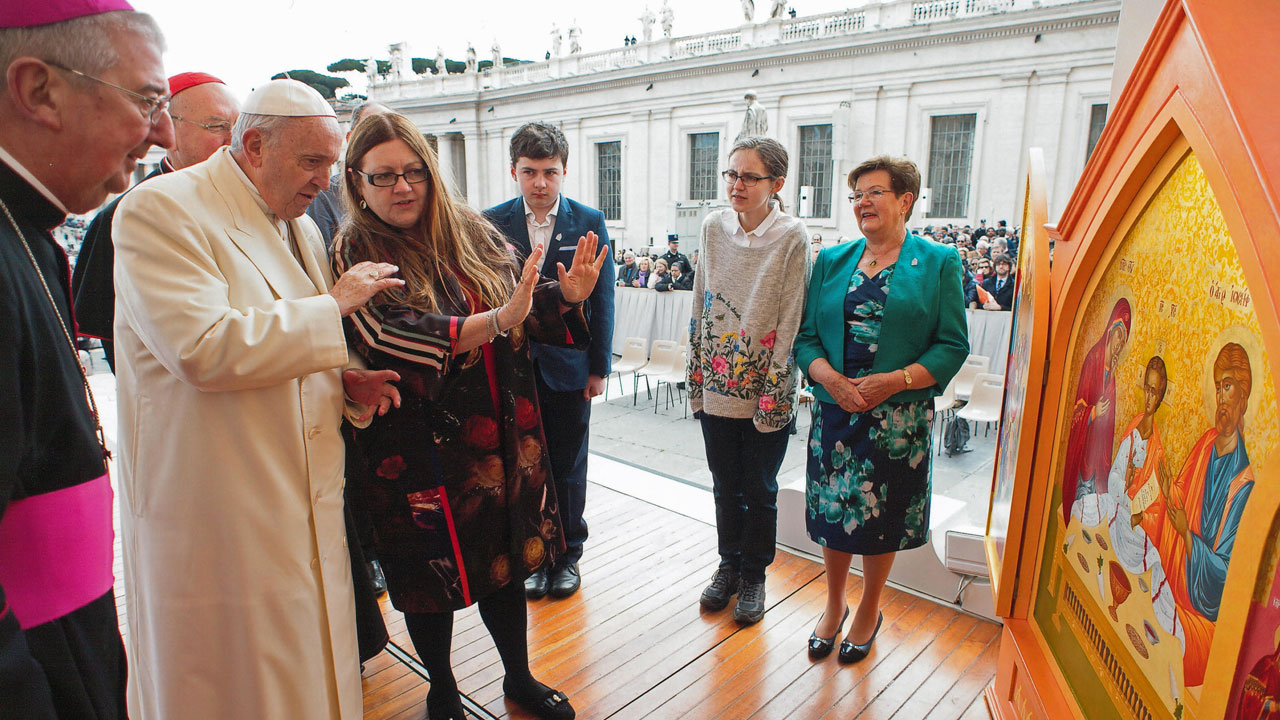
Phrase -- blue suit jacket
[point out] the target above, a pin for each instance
(564, 368)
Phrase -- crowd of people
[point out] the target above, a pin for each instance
(319, 371)
(672, 270)
(989, 258)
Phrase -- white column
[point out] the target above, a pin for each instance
(444, 154)
(475, 168)
(663, 164)
(997, 179)
(891, 121)
(1059, 169)
(636, 187)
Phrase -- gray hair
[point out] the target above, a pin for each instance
(86, 43)
(366, 108)
(268, 125)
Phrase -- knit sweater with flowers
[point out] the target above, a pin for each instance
(747, 305)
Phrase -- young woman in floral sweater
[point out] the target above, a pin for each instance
(748, 300)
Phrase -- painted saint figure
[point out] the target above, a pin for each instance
(1205, 501)
(1139, 514)
(1093, 420)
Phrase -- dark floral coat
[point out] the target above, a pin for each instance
(459, 487)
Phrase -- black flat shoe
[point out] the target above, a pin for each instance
(820, 647)
(565, 580)
(535, 586)
(378, 578)
(549, 705)
(445, 706)
(851, 653)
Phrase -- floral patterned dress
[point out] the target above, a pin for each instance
(459, 484)
(868, 486)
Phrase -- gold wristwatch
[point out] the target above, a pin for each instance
(906, 375)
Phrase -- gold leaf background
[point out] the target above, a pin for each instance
(1175, 252)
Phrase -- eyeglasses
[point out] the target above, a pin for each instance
(856, 196)
(732, 178)
(155, 106)
(222, 126)
(413, 176)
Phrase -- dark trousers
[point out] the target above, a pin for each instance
(566, 416)
(371, 629)
(744, 465)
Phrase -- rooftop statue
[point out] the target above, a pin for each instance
(756, 121)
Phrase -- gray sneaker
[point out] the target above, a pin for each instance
(750, 607)
(723, 585)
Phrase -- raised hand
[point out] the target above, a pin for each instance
(361, 282)
(577, 282)
(517, 308)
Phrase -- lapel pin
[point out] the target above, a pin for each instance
(558, 236)
(915, 261)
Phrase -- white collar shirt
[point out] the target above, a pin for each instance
(281, 226)
(767, 232)
(540, 233)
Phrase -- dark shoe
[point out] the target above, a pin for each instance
(723, 586)
(820, 647)
(548, 704)
(378, 578)
(750, 607)
(565, 580)
(850, 653)
(535, 586)
(445, 705)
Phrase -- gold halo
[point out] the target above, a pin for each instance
(1257, 366)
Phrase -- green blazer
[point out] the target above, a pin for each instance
(924, 317)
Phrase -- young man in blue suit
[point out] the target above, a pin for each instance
(567, 379)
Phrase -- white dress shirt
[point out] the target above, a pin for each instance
(540, 233)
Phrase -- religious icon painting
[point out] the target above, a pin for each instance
(1255, 688)
(1168, 419)
(1011, 481)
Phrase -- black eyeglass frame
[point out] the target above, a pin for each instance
(370, 176)
(732, 178)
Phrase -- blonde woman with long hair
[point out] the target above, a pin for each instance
(459, 485)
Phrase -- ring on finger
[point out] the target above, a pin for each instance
(375, 275)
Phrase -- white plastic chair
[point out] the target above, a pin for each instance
(943, 406)
(986, 400)
(972, 367)
(634, 357)
(673, 378)
(663, 356)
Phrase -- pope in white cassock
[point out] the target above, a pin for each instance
(230, 364)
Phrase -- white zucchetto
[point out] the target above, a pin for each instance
(287, 98)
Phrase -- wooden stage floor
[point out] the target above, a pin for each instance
(634, 643)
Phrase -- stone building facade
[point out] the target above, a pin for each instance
(963, 87)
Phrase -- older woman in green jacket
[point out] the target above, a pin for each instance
(883, 332)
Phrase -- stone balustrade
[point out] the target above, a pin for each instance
(871, 17)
